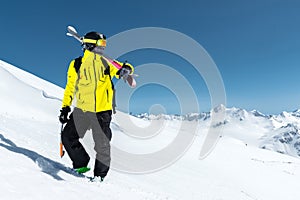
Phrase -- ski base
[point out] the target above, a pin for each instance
(131, 81)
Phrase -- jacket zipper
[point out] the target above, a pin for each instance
(102, 71)
(107, 96)
(95, 82)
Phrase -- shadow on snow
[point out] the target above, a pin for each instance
(47, 165)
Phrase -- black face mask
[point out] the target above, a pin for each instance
(98, 50)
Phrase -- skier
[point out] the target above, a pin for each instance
(90, 82)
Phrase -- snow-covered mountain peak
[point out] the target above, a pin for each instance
(258, 113)
(285, 139)
(219, 108)
(296, 113)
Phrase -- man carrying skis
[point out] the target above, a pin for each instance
(90, 83)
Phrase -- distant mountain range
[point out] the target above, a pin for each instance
(278, 133)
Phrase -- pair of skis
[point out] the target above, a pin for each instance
(129, 78)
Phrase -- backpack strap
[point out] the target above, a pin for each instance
(77, 63)
(107, 72)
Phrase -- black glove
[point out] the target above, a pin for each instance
(63, 118)
(124, 72)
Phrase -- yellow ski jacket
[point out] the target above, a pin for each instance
(91, 86)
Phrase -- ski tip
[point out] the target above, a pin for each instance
(71, 28)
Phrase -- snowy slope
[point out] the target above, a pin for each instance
(236, 169)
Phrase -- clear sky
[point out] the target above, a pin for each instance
(255, 44)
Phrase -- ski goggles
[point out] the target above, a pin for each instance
(100, 42)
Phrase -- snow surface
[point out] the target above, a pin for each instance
(240, 167)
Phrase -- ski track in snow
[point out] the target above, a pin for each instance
(47, 96)
(249, 196)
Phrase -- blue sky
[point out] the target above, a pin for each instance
(255, 44)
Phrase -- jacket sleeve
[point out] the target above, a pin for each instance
(70, 86)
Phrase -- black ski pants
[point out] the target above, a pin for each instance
(76, 128)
